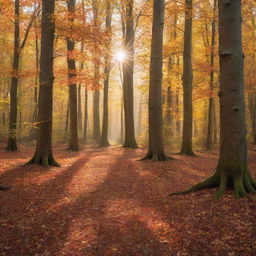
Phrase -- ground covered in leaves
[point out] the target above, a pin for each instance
(104, 202)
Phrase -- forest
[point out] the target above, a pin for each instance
(127, 127)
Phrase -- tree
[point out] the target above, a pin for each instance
(73, 137)
(211, 131)
(18, 46)
(232, 169)
(43, 153)
(128, 69)
(104, 134)
(187, 79)
(155, 145)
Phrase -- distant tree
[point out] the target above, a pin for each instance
(155, 145)
(232, 169)
(43, 153)
(211, 130)
(187, 79)
(18, 47)
(104, 134)
(128, 70)
(73, 136)
(96, 92)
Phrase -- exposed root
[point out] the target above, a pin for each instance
(210, 182)
(128, 144)
(242, 185)
(44, 161)
(187, 153)
(156, 156)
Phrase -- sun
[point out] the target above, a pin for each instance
(120, 56)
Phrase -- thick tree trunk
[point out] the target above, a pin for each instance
(186, 147)
(43, 154)
(128, 69)
(211, 107)
(232, 167)
(156, 147)
(73, 136)
(12, 140)
(104, 134)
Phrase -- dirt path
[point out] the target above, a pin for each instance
(103, 202)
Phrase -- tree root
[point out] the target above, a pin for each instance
(156, 156)
(128, 144)
(242, 185)
(187, 153)
(44, 161)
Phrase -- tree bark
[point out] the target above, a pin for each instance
(104, 135)
(156, 147)
(187, 79)
(128, 69)
(43, 154)
(232, 169)
(73, 136)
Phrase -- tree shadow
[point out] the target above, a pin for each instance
(126, 211)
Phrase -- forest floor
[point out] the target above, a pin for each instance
(104, 202)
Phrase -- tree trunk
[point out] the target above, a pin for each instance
(232, 167)
(12, 140)
(155, 147)
(211, 108)
(79, 109)
(67, 118)
(104, 135)
(73, 136)
(122, 122)
(96, 93)
(128, 69)
(43, 154)
(186, 147)
(85, 113)
(34, 118)
(252, 109)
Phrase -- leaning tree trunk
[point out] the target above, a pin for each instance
(73, 137)
(128, 69)
(211, 107)
(12, 141)
(43, 154)
(104, 135)
(232, 167)
(156, 147)
(186, 147)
